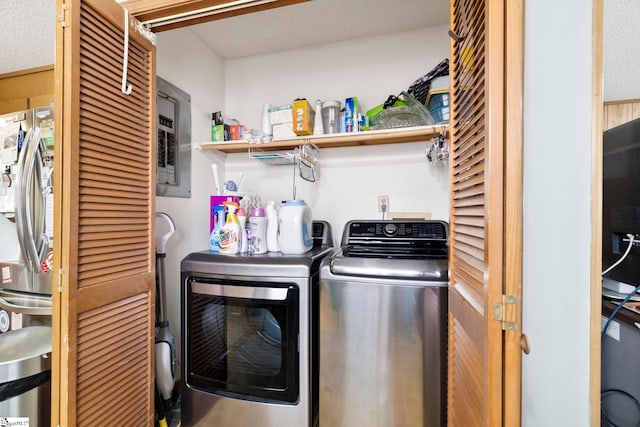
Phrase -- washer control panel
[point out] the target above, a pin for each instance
(425, 229)
(395, 239)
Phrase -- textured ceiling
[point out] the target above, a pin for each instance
(318, 22)
(621, 56)
(27, 32)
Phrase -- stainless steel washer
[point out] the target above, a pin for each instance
(383, 323)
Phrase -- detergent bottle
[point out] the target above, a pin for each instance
(230, 239)
(295, 233)
(258, 230)
(218, 219)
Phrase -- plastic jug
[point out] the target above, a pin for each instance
(295, 228)
(331, 116)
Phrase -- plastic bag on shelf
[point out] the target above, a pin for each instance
(413, 113)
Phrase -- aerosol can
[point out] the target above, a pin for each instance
(165, 348)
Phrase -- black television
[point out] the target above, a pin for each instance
(621, 205)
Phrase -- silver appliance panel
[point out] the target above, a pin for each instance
(16, 276)
(383, 322)
(419, 270)
(173, 171)
(233, 291)
(382, 354)
(256, 267)
(205, 408)
(25, 369)
(26, 206)
(322, 235)
(19, 309)
(29, 180)
(201, 408)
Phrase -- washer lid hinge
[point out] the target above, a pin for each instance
(500, 312)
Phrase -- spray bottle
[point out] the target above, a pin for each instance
(218, 219)
(230, 231)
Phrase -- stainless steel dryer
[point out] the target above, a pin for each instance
(383, 323)
(250, 337)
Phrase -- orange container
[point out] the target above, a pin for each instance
(303, 115)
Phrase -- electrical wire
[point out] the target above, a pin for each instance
(631, 240)
(610, 318)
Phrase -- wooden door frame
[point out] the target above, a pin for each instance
(514, 202)
(597, 124)
(515, 341)
(103, 276)
(513, 207)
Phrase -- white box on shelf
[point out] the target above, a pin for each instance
(283, 131)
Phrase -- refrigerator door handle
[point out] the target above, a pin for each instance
(19, 199)
(30, 163)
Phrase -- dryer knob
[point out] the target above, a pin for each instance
(390, 229)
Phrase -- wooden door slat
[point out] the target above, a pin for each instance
(105, 218)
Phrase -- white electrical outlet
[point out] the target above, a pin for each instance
(383, 203)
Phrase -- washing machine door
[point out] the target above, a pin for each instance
(242, 339)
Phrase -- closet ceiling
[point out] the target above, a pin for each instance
(28, 32)
(319, 22)
(28, 27)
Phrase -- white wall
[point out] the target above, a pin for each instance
(557, 212)
(351, 178)
(185, 61)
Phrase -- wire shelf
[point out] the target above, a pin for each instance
(273, 157)
(304, 156)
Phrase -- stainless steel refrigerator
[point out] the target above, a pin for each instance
(26, 254)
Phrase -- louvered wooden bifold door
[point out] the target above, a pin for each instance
(104, 219)
(476, 176)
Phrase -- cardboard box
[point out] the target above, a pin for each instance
(280, 115)
(303, 115)
(217, 127)
(217, 133)
(236, 132)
